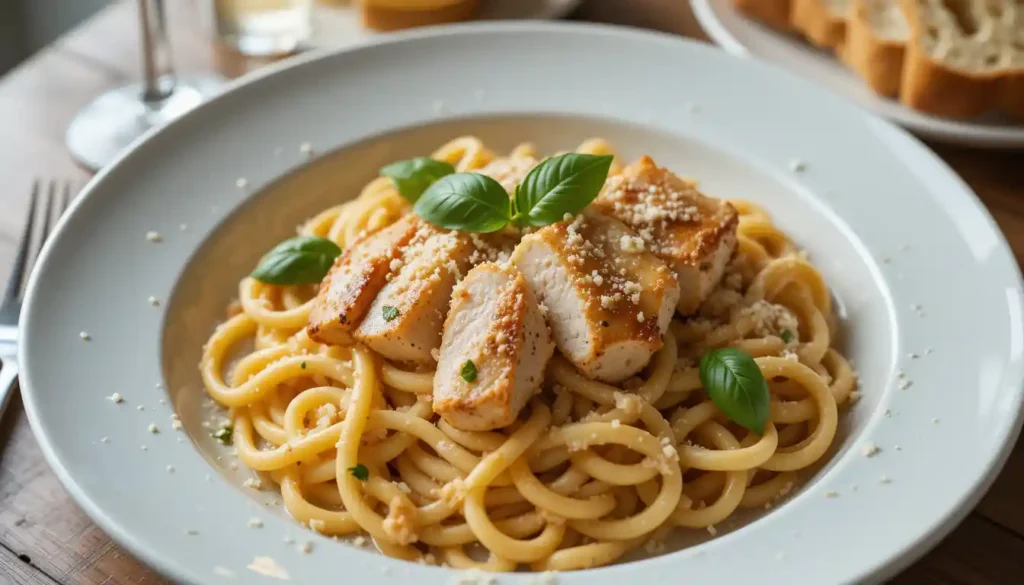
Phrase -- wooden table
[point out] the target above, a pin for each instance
(46, 539)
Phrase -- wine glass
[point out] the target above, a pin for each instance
(103, 129)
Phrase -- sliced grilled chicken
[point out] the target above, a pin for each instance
(608, 300)
(693, 233)
(509, 171)
(405, 321)
(354, 281)
(496, 326)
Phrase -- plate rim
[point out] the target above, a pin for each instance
(159, 561)
(945, 130)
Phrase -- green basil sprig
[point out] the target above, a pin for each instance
(468, 202)
(562, 184)
(735, 384)
(412, 177)
(473, 202)
(300, 260)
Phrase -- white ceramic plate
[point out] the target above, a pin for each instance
(887, 222)
(341, 26)
(742, 36)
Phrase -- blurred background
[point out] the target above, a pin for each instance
(29, 25)
(26, 26)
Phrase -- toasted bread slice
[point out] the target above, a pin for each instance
(876, 39)
(608, 300)
(693, 233)
(496, 324)
(823, 22)
(774, 13)
(964, 58)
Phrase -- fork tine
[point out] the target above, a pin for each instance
(51, 199)
(21, 260)
(51, 202)
(65, 199)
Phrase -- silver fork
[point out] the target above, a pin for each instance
(56, 196)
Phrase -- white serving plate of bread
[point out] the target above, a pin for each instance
(948, 75)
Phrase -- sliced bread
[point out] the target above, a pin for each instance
(876, 37)
(823, 22)
(955, 58)
(964, 57)
(774, 13)
(388, 15)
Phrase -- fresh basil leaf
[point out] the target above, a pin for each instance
(735, 384)
(468, 202)
(558, 185)
(468, 371)
(389, 313)
(412, 177)
(300, 260)
(359, 471)
(788, 336)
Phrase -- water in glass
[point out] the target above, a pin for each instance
(263, 28)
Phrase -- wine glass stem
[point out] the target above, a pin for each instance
(157, 68)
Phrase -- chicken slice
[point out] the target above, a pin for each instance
(510, 172)
(608, 301)
(405, 321)
(693, 233)
(354, 281)
(496, 324)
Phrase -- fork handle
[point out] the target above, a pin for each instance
(8, 381)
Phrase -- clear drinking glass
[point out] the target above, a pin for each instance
(103, 128)
(263, 28)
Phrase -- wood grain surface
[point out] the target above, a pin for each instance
(46, 539)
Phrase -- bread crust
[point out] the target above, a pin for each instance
(933, 87)
(387, 18)
(821, 27)
(774, 13)
(877, 60)
(1012, 95)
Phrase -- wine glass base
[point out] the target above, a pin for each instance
(103, 129)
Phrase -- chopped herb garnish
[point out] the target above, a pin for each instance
(788, 336)
(360, 472)
(390, 313)
(224, 435)
(468, 371)
(303, 365)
